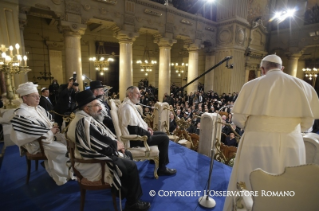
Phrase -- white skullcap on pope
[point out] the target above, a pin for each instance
(272, 58)
(27, 88)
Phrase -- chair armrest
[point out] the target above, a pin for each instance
(246, 196)
(126, 138)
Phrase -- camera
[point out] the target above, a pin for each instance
(74, 77)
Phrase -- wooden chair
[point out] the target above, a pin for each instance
(229, 152)
(82, 181)
(36, 157)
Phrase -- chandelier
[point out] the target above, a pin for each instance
(146, 64)
(311, 73)
(180, 69)
(101, 62)
(11, 64)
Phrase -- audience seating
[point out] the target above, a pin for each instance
(139, 153)
(83, 182)
(36, 157)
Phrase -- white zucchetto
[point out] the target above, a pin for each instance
(272, 58)
(27, 88)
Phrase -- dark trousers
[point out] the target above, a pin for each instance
(161, 140)
(131, 186)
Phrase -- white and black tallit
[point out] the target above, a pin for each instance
(95, 141)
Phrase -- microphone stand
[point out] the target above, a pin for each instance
(206, 200)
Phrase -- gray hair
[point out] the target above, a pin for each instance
(130, 90)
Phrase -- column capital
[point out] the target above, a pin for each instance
(22, 20)
(71, 28)
(164, 41)
(193, 45)
(125, 36)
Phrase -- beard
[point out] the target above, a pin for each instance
(97, 116)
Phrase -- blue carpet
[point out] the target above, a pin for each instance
(42, 194)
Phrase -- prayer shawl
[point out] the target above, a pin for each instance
(29, 124)
(129, 116)
(94, 141)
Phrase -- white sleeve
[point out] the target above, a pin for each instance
(240, 120)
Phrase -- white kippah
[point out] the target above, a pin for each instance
(27, 88)
(273, 58)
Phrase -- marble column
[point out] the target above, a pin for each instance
(209, 77)
(126, 61)
(72, 42)
(192, 71)
(193, 49)
(164, 84)
(292, 65)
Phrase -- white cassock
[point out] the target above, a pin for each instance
(273, 110)
(29, 124)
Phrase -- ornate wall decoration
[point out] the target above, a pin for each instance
(103, 10)
(73, 7)
(129, 7)
(42, 6)
(54, 44)
(210, 29)
(184, 21)
(57, 2)
(153, 12)
(86, 7)
(240, 36)
(257, 9)
(107, 1)
(225, 35)
(129, 19)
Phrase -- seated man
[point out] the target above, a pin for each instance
(31, 122)
(131, 122)
(95, 141)
(231, 140)
(98, 91)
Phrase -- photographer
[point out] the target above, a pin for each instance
(66, 102)
(54, 88)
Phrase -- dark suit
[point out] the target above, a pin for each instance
(231, 142)
(44, 102)
(158, 138)
(108, 119)
(66, 102)
(172, 125)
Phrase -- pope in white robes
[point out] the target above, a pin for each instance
(273, 110)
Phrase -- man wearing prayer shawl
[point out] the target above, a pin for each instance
(131, 122)
(273, 110)
(95, 141)
(31, 122)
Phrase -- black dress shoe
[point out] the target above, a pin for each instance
(166, 172)
(138, 206)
